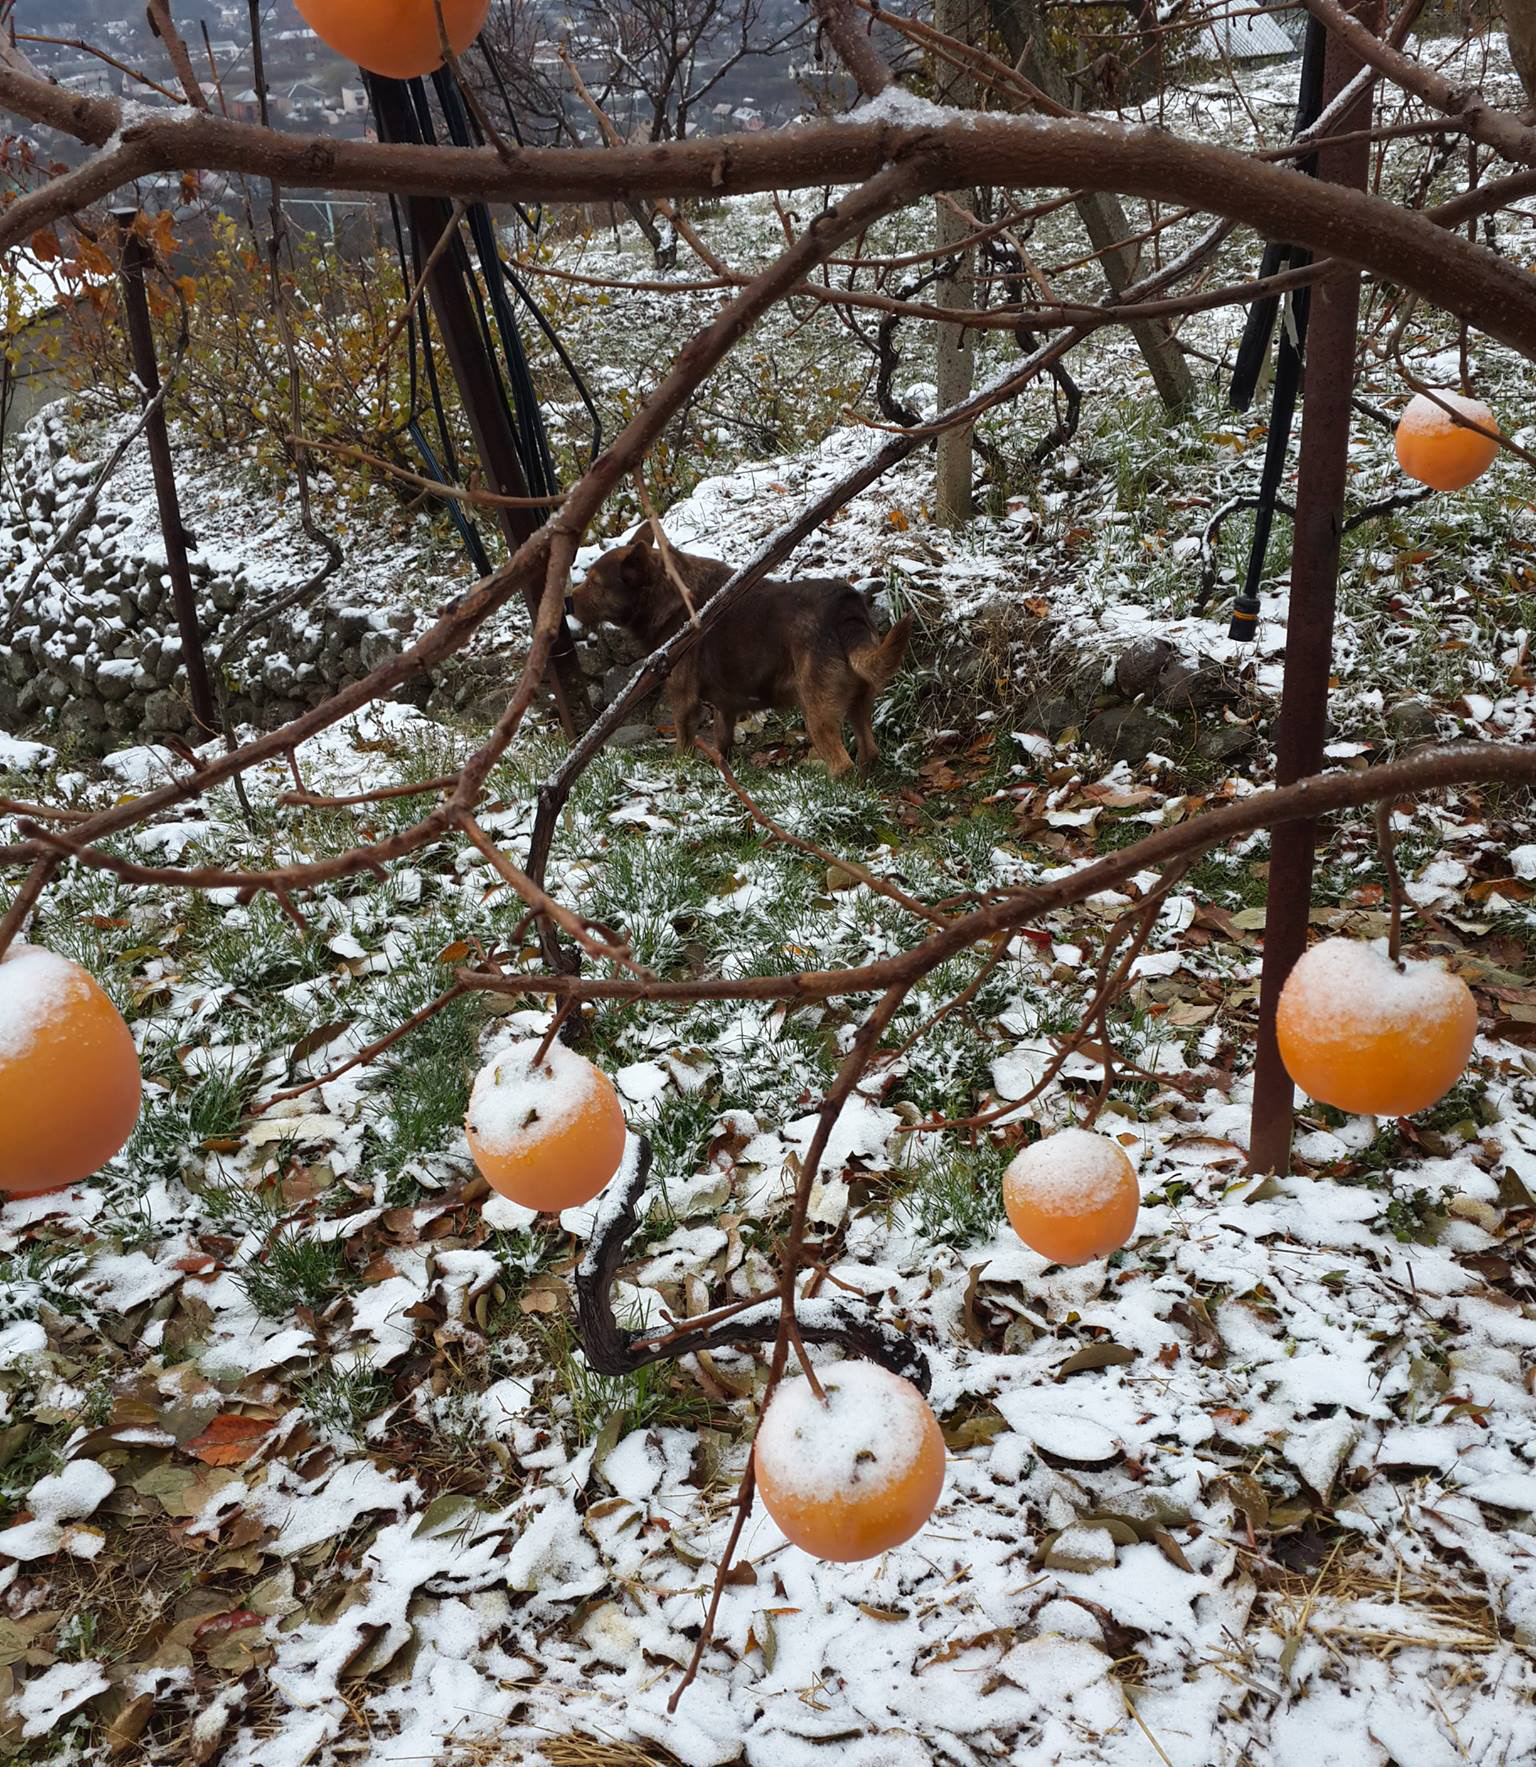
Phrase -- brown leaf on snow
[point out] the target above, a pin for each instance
(317, 1039)
(228, 1440)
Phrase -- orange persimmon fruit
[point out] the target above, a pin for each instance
(550, 1134)
(69, 1073)
(1438, 452)
(1364, 1034)
(856, 1473)
(1072, 1197)
(396, 38)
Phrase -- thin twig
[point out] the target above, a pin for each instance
(881, 886)
(1386, 845)
(370, 1053)
(33, 885)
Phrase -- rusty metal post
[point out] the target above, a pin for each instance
(141, 339)
(476, 375)
(1327, 390)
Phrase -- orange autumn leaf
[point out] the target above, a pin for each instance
(228, 1439)
(45, 245)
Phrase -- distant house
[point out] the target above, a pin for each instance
(245, 107)
(353, 100)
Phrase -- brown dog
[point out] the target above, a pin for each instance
(809, 643)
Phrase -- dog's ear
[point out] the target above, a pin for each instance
(635, 572)
(646, 536)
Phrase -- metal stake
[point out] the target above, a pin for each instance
(1328, 386)
(141, 339)
(495, 440)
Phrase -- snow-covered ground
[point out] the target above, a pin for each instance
(302, 1464)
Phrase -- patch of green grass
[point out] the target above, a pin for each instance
(679, 1133)
(76, 1639)
(587, 1402)
(1229, 880)
(43, 1274)
(1467, 1101)
(258, 948)
(294, 1271)
(424, 1080)
(955, 1197)
(523, 1253)
(342, 1399)
(174, 1126)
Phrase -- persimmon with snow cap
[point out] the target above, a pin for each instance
(855, 1473)
(1368, 1035)
(1072, 1196)
(1436, 450)
(397, 38)
(548, 1131)
(69, 1073)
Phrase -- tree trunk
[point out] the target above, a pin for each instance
(955, 369)
(1520, 22)
(1023, 29)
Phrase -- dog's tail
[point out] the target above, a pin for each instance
(876, 663)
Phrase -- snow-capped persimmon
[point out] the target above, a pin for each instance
(1072, 1197)
(1437, 451)
(69, 1073)
(547, 1134)
(1364, 1034)
(397, 38)
(856, 1473)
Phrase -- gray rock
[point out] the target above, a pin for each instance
(1412, 720)
(82, 718)
(616, 680)
(114, 680)
(375, 648)
(278, 674)
(353, 622)
(1227, 741)
(1127, 734)
(1138, 668)
(1050, 713)
(1186, 689)
(631, 736)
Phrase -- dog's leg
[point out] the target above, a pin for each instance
(859, 715)
(826, 733)
(687, 711)
(725, 730)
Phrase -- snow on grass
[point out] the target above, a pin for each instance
(1288, 1430)
(79, 1490)
(49, 1698)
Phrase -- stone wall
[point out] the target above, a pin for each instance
(92, 652)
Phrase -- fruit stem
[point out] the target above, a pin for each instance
(554, 1030)
(1387, 847)
(792, 1327)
